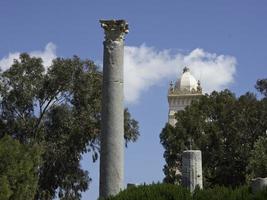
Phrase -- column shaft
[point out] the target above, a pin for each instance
(112, 116)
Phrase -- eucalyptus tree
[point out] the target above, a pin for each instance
(57, 108)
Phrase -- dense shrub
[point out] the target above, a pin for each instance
(154, 192)
(223, 193)
(175, 192)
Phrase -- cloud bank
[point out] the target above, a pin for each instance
(47, 55)
(146, 67)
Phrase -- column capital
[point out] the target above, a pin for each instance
(115, 30)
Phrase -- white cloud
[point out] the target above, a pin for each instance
(47, 55)
(146, 67)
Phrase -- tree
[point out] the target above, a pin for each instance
(59, 109)
(258, 160)
(261, 86)
(225, 128)
(18, 169)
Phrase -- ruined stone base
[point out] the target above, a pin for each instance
(258, 184)
(192, 169)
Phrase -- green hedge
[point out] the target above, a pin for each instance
(174, 192)
(153, 192)
(223, 193)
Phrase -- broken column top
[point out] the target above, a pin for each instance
(115, 30)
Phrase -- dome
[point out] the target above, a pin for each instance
(187, 81)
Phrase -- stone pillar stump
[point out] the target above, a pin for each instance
(192, 169)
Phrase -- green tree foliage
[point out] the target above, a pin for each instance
(225, 128)
(258, 160)
(261, 86)
(130, 127)
(58, 108)
(18, 169)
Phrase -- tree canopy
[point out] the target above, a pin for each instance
(229, 130)
(57, 108)
(18, 169)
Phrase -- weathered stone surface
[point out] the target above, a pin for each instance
(192, 169)
(114, 29)
(258, 184)
(112, 130)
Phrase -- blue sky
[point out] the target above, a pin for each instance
(224, 42)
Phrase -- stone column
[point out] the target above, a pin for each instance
(112, 133)
(258, 184)
(192, 169)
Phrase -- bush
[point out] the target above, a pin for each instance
(154, 192)
(223, 193)
(175, 192)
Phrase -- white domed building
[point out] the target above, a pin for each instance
(181, 94)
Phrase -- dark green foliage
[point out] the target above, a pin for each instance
(130, 127)
(18, 169)
(261, 86)
(175, 192)
(225, 129)
(58, 108)
(258, 159)
(154, 192)
(223, 193)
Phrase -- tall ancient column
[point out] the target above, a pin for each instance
(112, 133)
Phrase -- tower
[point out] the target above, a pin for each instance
(182, 93)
